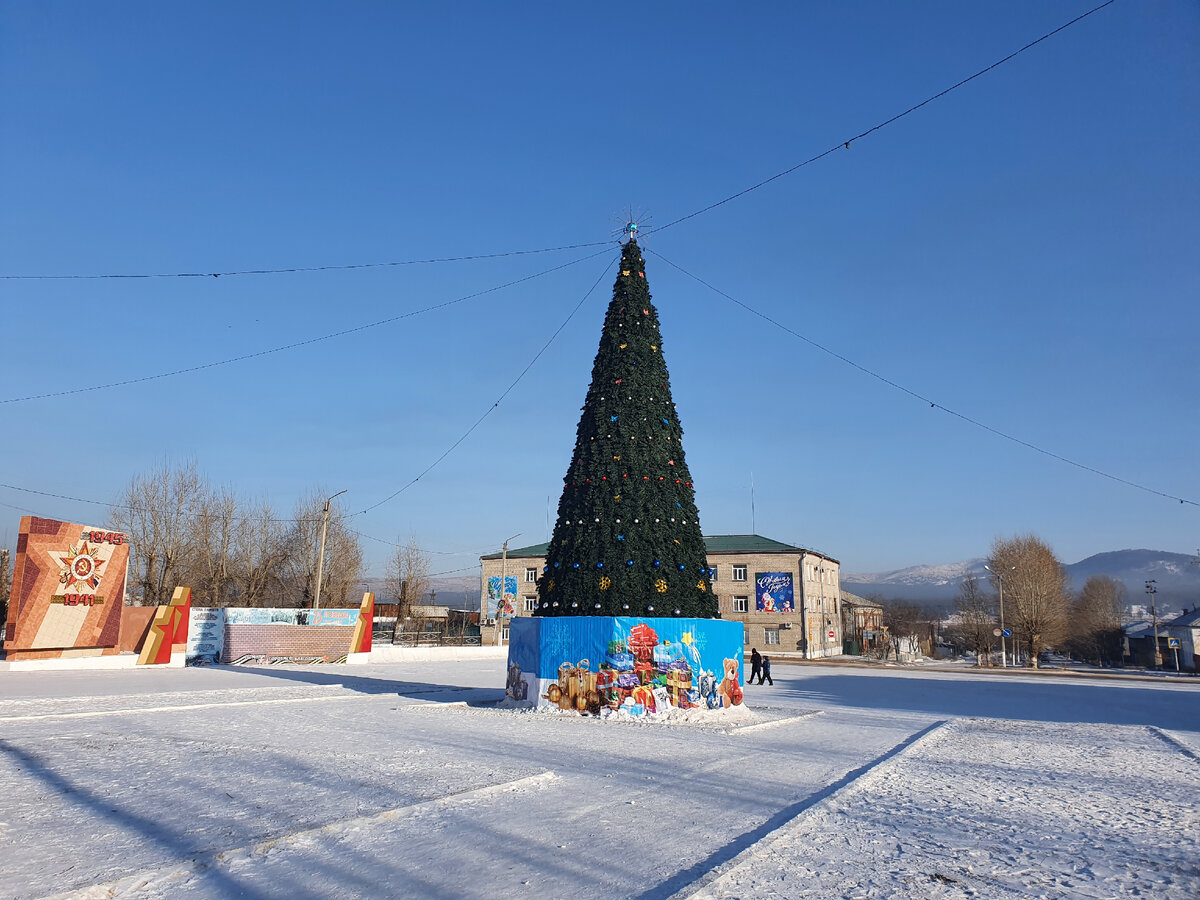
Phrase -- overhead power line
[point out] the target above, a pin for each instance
(918, 396)
(426, 471)
(136, 508)
(330, 268)
(499, 399)
(845, 144)
(292, 346)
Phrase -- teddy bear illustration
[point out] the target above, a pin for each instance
(516, 688)
(729, 689)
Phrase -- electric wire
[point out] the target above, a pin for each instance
(144, 508)
(427, 470)
(845, 144)
(304, 343)
(138, 509)
(912, 109)
(494, 406)
(917, 396)
(330, 268)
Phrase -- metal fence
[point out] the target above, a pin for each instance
(425, 638)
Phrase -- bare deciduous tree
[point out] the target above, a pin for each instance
(977, 613)
(158, 512)
(902, 621)
(1035, 592)
(343, 555)
(182, 531)
(5, 584)
(213, 531)
(1095, 620)
(260, 554)
(408, 577)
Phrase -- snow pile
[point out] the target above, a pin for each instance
(735, 716)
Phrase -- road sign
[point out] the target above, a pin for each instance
(832, 634)
(1173, 643)
(1007, 632)
(997, 632)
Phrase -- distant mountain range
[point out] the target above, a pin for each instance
(1177, 578)
(459, 592)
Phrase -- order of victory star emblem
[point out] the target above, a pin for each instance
(80, 568)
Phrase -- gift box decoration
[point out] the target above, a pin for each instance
(642, 640)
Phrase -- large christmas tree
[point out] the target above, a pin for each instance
(627, 541)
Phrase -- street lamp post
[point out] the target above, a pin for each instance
(1151, 590)
(503, 576)
(321, 556)
(1000, 581)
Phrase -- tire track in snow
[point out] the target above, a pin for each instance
(165, 877)
(96, 713)
(692, 883)
(1174, 742)
(742, 729)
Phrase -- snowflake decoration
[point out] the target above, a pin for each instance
(605, 583)
(661, 585)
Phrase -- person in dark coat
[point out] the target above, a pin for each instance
(755, 666)
(766, 671)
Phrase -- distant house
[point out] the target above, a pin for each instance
(1185, 628)
(862, 624)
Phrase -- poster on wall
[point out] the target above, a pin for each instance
(773, 592)
(497, 605)
(589, 664)
(206, 636)
(68, 587)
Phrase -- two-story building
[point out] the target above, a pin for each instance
(789, 598)
(862, 624)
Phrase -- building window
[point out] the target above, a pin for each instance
(504, 633)
(740, 604)
(713, 576)
(739, 573)
(771, 637)
(530, 604)
(530, 575)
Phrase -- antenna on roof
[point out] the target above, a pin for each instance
(753, 526)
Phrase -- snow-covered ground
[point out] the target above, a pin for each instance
(402, 781)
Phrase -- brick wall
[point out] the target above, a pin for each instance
(329, 642)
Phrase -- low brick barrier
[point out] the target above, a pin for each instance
(286, 643)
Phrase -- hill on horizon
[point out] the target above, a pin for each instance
(1176, 575)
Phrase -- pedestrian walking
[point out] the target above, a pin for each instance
(755, 665)
(766, 671)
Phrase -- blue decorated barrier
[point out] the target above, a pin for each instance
(641, 665)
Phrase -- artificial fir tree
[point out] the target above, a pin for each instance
(627, 540)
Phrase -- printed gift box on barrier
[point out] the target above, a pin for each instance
(640, 665)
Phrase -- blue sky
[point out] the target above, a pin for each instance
(1021, 251)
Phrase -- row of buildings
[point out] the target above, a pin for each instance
(789, 598)
(1178, 642)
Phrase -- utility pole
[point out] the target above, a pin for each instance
(1003, 649)
(321, 556)
(1151, 590)
(503, 580)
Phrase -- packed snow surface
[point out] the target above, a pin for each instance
(414, 780)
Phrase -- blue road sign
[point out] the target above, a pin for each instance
(1008, 632)
(1173, 643)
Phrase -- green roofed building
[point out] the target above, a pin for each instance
(788, 597)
